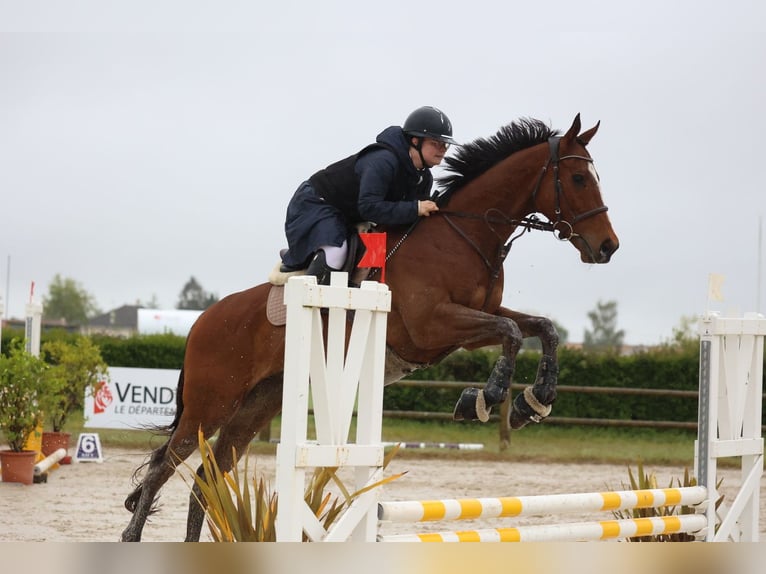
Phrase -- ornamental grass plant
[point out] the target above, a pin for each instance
(642, 481)
(235, 514)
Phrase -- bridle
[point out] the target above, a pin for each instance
(560, 226)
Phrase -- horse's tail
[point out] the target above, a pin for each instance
(132, 500)
(179, 404)
(168, 429)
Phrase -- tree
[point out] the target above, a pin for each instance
(604, 336)
(194, 297)
(685, 336)
(68, 300)
(152, 303)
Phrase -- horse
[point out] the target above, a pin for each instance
(494, 190)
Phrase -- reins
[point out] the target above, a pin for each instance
(562, 229)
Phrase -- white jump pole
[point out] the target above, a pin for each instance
(42, 466)
(511, 506)
(572, 532)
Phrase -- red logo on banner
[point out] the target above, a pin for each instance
(102, 398)
(375, 256)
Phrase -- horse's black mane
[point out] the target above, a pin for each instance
(474, 158)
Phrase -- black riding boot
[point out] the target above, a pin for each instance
(320, 269)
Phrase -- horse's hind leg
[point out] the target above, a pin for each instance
(161, 466)
(260, 406)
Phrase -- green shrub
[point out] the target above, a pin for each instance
(667, 367)
(23, 388)
(75, 367)
(660, 369)
(144, 351)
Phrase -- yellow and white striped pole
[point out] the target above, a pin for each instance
(470, 508)
(574, 532)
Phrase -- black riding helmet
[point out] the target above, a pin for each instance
(429, 122)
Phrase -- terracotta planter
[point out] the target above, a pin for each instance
(18, 466)
(52, 441)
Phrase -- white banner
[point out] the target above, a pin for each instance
(132, 399)
(176, 321)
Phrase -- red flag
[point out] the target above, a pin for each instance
(375, 256)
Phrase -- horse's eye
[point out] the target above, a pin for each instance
(578, 178)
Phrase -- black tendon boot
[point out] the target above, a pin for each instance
(534, 404)
(476, 404)
(319, 268)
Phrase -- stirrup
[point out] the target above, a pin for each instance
(320, 269)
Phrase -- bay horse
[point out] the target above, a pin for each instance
(446, 280)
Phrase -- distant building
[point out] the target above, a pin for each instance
(124, 321)
(119, 322)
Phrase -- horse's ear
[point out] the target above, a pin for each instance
(585, 137)
(574, 130)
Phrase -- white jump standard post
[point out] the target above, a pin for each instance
(33, 327)
(730, 407)
(335, 374)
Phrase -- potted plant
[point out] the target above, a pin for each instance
(74, 368)
(23, 389)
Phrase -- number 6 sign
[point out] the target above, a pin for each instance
(89, 448)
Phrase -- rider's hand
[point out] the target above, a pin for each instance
(426, 207)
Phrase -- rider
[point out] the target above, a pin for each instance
(388, 183)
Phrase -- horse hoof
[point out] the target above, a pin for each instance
(471, 406)
(465, 408)
(527, 409)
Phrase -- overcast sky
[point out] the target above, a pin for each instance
(142, 145)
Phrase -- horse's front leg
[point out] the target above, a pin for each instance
(534, 403)
(476, 404)
(453, 326)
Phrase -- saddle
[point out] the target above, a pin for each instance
(276, 311)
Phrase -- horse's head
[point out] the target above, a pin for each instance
(568, 194)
